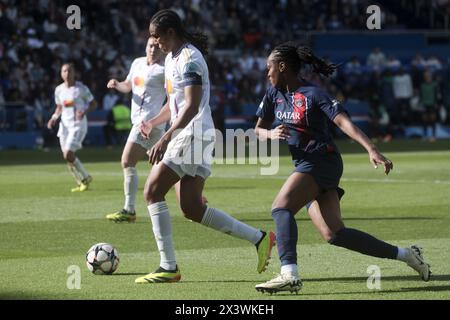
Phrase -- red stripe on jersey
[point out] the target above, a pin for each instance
(299, 105)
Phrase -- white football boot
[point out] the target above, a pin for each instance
(283, 282)
(415, 260)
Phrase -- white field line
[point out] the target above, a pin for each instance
(284, 177)
(222, 175)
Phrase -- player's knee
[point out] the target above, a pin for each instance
(328, 236)
(282, 201)
(127, 161)
(277, 204)
(331, 237)
(126, 164)
(69, 156)
(151, 194)
(192, 210)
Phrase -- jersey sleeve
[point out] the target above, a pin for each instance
(57, 98)
(87, 95)
(191, 69)
(329, 105)
(266, 109)
(130, 73)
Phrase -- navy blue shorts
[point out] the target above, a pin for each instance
(325, 167)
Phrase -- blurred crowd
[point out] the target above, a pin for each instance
(34, 42)
(399, 94)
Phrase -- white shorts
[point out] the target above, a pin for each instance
(189, 155)
(71, 138)
(147, 144)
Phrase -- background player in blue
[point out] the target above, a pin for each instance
(304, 113)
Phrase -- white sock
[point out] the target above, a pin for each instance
(290, 269)
(74, 173)
(225, 223)
(162, 229)
(130, 188)
(80, 168)
(402, 254)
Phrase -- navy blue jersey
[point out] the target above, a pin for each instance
(307, 113)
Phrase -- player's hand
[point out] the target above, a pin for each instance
(112, 84)
(145, 128)
(51, 123)
(156, 153)
(280, 132)
(377, 158)
(79, 115)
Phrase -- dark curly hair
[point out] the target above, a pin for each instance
(296, 56)
(165, 19)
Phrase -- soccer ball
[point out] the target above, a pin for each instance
(102, 258)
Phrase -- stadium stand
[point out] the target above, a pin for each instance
(34, 42)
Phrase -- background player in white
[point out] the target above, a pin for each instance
(146, 81)
(73, 101)
(187, 85)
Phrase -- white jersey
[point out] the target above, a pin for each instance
(147, 86)
(72, 99)
(188, 67)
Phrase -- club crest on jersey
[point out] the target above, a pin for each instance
(299, 105)
(139, 82)
(68, 103)
(297, 114)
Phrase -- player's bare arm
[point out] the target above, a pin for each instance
(92, 107)
(162, 117)
(55, 116)
(263, 131)
(346, 125)
(123, 87)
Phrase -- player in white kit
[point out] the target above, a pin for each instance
(146, 82)
(184, 152)
(73, 101)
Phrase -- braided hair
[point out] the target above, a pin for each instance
(165, 19)
(297, 56)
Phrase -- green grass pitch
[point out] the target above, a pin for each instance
(44, 229)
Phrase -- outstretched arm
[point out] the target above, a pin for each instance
(346, 125)
(124, 86)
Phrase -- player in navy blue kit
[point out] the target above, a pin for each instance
(304, 113)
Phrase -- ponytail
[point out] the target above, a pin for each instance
(319, 65)
(297, 56)
(198, 40)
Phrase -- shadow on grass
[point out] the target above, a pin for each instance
(375, 292)
(221, 281)
(230, 187)
(348, 219)
(120, 274)
(443, 277)
(424, 288)
(438, 277)
(21, 295)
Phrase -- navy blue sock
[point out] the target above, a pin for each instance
(364, 243)
(287, 235)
